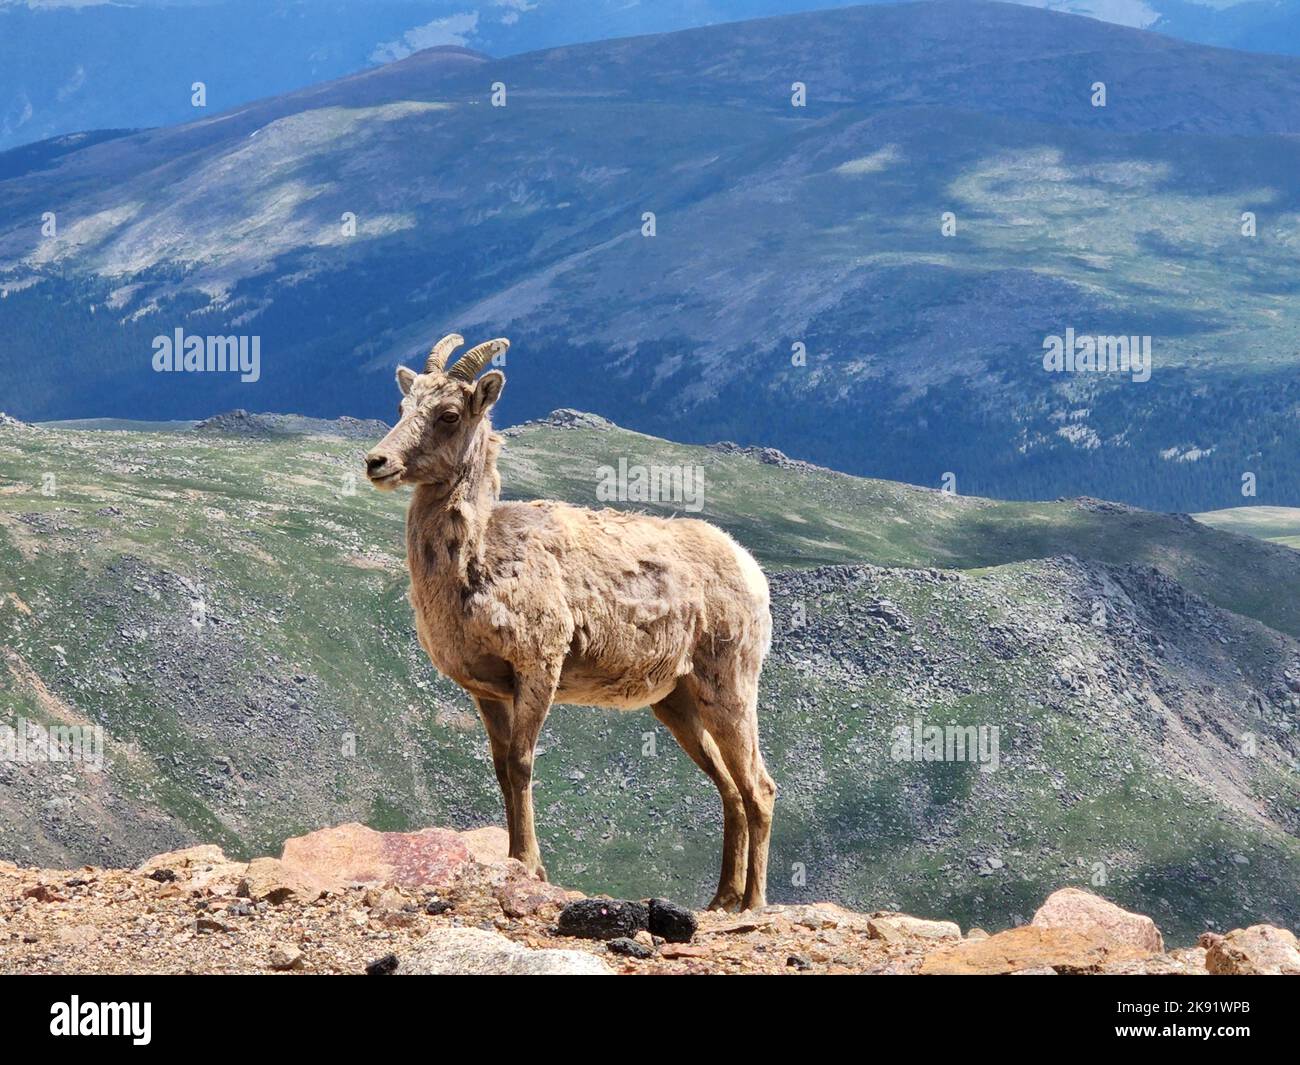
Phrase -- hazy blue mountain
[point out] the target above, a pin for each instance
(1252, 25)
(779, 230)
(66, 67)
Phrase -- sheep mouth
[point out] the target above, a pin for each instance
(387, 480)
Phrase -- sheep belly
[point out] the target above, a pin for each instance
(586, 682)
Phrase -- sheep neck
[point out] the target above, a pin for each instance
(446, 525)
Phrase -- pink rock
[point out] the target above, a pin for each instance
(431, 856)
(488, 845)
(355, 854)
(1098, 920)
(524, 896)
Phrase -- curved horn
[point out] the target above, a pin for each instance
(441, 352)
(467, 367)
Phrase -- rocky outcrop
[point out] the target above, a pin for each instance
(1074, 931)
(769, 456)
(1259, 950)
(243, 423)
(563, 418)
(1026, 948)
(353, 900)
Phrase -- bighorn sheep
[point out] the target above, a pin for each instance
(526, 604)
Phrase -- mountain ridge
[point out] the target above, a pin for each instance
(213, 602)
(277, 46)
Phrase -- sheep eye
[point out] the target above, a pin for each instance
(450, 417)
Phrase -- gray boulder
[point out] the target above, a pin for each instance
(476, 952)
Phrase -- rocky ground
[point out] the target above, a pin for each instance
(352, 900)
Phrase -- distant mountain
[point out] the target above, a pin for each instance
(231, 610)
(1252, 25)
(132, 62)
(799, 289)
(66, 67)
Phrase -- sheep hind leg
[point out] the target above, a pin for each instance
(733, 724)
(496, 723)
(680, 715)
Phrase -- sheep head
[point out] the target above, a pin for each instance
(440, 416)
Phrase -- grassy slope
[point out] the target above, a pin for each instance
(1085, 783)
(301, 577)
(1279, 525)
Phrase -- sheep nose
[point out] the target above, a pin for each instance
(375, 462)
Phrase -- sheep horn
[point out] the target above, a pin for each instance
(467, 367)
(442, 351)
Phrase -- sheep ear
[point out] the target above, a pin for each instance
(405, 375)
(487, 390)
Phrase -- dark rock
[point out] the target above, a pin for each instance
(674, 923)
(567, 418)
(629, 948)
(385, 966)
(603, 918)
(769, 456)
(798, 961)
(437, 906)
(163, 876)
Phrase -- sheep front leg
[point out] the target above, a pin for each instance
(496, 715)
(533, 695)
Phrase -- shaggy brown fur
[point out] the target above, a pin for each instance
(527, 604)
